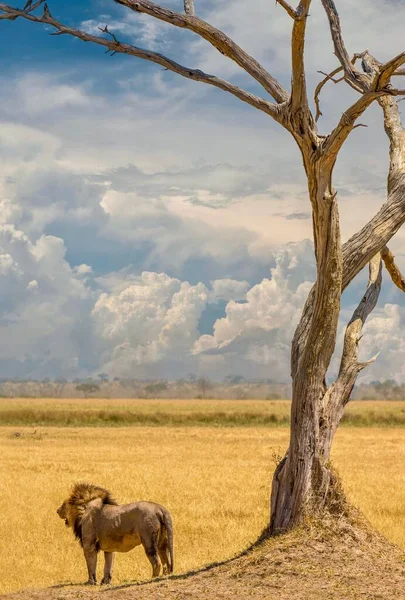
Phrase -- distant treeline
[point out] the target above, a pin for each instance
(232, 387)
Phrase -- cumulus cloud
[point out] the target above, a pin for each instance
(150, 323)
(154, 319)
(40, 307)
(229, 289)
(257, 332)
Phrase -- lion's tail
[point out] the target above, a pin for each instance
(167, 522)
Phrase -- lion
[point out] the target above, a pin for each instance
(99, 523)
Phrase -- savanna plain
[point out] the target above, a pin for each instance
(209, 462)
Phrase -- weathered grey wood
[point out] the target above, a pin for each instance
(317, 412)
(289, 9)
(392, 268)
(303, 481)
(358, 80)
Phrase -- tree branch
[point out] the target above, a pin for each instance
(357, 252)
(392, 123)
(333, 142)
(354, 77)
(338, 394)
(114, 46)
(289, 9)
(320, 85)
(387, 70)
(363, 246)
(299, 98)
(396, 134)
(329, 77)
(216, 38)
(382, 72)
(349, 366)
(28, 8)
(366, 243)
(392, 268)
(377, 89)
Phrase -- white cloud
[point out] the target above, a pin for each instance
(40, 307)
(30, 92)
(83, 270)
(156, 173)
(150, 321)
(259, 331)
(7, 264)
(32, 285)
(228, 289)
(151, 324)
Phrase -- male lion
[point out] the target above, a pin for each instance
(99, 523)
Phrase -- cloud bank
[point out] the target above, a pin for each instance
(153, 227)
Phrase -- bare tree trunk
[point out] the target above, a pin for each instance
(303, 481)
(303, 477)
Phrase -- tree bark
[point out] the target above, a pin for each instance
(303, 481)
(302, 473)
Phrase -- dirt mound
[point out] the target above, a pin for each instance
(335, 562)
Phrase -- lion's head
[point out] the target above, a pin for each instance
(63, 512)
(73, 508)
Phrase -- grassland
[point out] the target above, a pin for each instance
(179, 413)
(214, 480)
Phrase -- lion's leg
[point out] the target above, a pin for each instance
(151, 551)
(90, 555)
(108, 567)
(164, 556)
(154, 561)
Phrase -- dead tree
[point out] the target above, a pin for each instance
(303, 482)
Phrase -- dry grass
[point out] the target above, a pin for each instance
(214, 481)
(190, 413)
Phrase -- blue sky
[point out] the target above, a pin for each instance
(153, 226)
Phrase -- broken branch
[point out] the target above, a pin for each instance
(320, 86)
(355, 78)
(367, 304)
(392, 268)
(289, 9)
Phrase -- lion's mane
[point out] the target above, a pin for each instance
(81, 495)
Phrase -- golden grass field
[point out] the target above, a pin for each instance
(118, 412)
(214, 480)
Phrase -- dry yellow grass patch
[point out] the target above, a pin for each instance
(215, 482)
(120, 412)
(371, 462)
